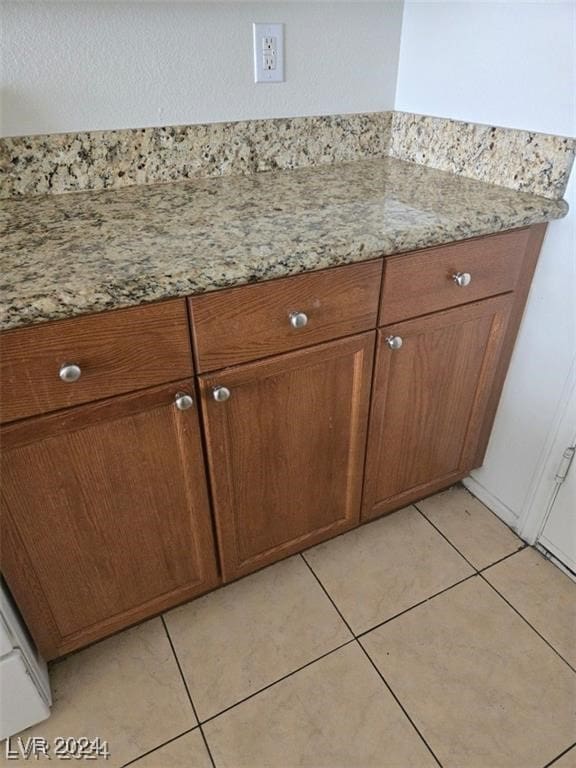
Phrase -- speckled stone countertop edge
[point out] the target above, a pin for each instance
(122, 295)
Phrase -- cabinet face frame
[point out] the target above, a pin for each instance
(27, 587)
(335, 466)
(182, 573)
(389, 387)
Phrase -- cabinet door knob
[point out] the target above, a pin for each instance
(69, 372)
(298, 319)
(394, 342)
(220, 394)
(182, 401)
(462, 278)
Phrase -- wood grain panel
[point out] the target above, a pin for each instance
(420, 283)
(253, 321)
(110, 512)
(429, 401)
(118, 352)
(286, 451)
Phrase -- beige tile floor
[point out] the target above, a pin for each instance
(429, 637)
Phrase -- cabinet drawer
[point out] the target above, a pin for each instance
(423, 282)
(255, 321)
(116, 352)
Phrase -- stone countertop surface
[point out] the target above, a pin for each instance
(67, 255)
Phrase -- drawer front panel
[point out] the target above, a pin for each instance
(424, 282)
(256, 321)
(114, 352)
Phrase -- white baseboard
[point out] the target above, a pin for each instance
(492, 502)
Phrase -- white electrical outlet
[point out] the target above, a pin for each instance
(268, 53)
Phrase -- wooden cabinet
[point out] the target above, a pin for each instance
(238, 325)
(105, 511)
(429, 399)
(286, 450)
(105, 515)
(448, 275)
(114, 352)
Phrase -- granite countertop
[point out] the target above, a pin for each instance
(67, 255)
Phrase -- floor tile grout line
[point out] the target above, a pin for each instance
(333, 650)
(522, 544)
(454, 547)
(177, 660)
(555, 759)
(506, 557)
(275, 682)
(481, 574)
(416, 605)
(154, 749)
(338, 611)
(477, 572)
(355, 638)
(533, 628)
(396, 699)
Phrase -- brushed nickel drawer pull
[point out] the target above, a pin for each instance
(394, 342)
(183, 401)
(220, 394)
(298, 320)
(462, 279)
(70, 372)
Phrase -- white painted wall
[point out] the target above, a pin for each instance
(511, 64)
(503, 63)
(77, 65)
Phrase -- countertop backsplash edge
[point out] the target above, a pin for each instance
(98, 160)
(525, 161)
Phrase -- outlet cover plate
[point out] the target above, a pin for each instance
(268, 42)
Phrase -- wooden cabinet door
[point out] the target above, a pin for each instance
(429, 401)
(105, 516)
(286, 450)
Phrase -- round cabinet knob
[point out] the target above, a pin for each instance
(182, 401)
(462, 278)
(394, 342)
(298, 319)
(220, 394)
(69, 372)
